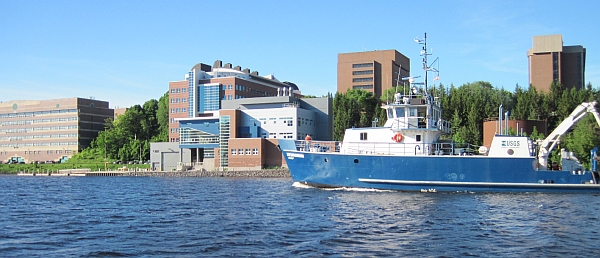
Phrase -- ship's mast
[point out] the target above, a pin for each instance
(426, 67)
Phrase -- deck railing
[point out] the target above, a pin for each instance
(386, 148)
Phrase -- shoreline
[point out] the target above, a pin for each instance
(265, 173)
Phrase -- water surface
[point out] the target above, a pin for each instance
(257, 217)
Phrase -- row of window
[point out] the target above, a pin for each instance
(177, 100)
(230, 97)
(362, 72)
(36, 113)
(35, 121)
(281, 135)
(245, 89)
(362, 65)
(367, 79)
(178, 110)
(15, 145)
(401, 112)
(241, 151)
(288, 120)
(49, 152)
(362, 87)
(47, 128)
(178, 90)
(38, 136)
(363, 137)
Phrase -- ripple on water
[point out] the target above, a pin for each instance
(190, 217)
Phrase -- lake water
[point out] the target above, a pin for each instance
(255, 217)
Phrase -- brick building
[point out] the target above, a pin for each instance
(373, 71)
(550, 61)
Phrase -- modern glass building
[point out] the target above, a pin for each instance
(205, 86)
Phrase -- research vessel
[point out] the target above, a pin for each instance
(407, 154)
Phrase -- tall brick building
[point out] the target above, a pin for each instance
(373, 71)
(550, 61)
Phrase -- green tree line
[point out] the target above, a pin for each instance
(128, 136)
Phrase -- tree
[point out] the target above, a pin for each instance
(584, 137)
(162, 118)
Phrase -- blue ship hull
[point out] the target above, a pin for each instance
(430, 173)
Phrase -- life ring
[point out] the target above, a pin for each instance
(397, 137)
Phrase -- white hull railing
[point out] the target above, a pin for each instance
(386, 148)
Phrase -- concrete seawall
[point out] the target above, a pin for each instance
(274, 173)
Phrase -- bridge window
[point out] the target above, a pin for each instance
(400, 112)
(413, 112)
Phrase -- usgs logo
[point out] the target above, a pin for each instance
(511, 143)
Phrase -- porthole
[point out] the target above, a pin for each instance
(355, 161)
(510, 152)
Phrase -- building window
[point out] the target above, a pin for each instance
(183, 90)
(233, 151)
(362, 72)
(255, 151)
(418, 137)
(362, 87)
(413, 112)
(241, 151)
(367, 79)
(247, 151)
(362, 65)
(555, 66)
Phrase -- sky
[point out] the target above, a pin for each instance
(127, 52)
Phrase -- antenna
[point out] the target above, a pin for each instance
(427, 67)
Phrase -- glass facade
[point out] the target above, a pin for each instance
(191, 92)
(189, 135)
(224, 124)
(211, 97)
